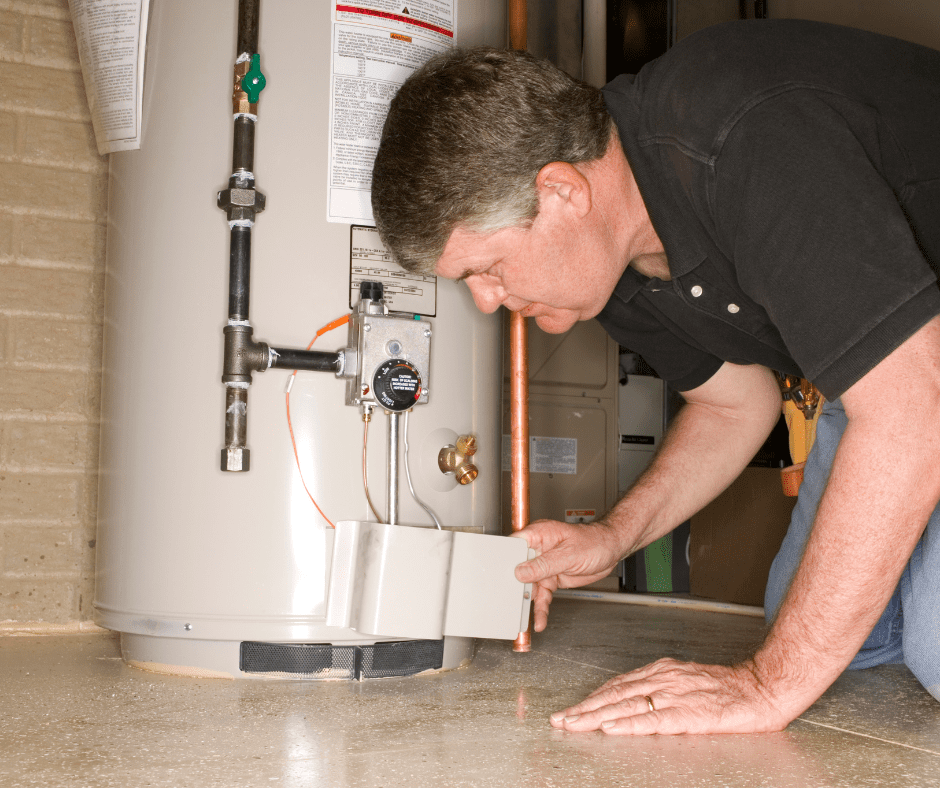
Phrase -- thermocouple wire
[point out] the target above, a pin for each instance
(290, 427)
(414, 495)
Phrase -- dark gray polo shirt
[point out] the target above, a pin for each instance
(792, 172)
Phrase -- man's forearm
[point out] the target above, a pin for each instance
(881, 492)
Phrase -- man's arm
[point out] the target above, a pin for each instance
(716, 433)
(884, 484)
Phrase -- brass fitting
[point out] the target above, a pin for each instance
(240, 103)
(455, 459)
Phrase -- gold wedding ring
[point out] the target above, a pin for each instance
(649, 702)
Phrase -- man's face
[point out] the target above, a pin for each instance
(555, 271)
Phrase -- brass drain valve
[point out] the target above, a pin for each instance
(455, 459)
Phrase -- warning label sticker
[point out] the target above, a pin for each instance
(580, 515)
(377, 45)
(546, 455)
(370, 261)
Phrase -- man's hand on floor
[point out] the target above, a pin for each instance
(686, 698)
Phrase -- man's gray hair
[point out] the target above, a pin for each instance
(464, 140)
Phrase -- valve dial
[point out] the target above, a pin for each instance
(396, 384)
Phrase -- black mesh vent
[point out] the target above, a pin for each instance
(309, 659)
(404, 658)
(326, 661)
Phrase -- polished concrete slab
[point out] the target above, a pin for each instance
(73, 714)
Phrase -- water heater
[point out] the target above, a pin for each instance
(211, 571)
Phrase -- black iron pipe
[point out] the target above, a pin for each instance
(249, 12)
(239, 273)
(243, 149)
(308, 360)
(234, 416)
(241, 202)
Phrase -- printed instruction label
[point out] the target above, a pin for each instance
(369, 260)
(546, 455)
(110, 36)
(377, 45)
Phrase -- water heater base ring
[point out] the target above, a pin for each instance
(294, 661)
(326, 661)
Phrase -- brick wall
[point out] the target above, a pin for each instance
(53, 202)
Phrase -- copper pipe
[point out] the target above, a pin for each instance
(519, 429)
(518, 22)
(519, 420)
(519, 367)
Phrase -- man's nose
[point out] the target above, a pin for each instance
(488, 296)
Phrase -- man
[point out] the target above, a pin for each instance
(765, 196)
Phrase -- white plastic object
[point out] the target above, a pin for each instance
(405, 581)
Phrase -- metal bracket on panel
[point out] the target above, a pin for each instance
(411, 582)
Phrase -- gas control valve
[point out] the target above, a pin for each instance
(389, 355)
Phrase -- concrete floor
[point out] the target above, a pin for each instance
(73, 714)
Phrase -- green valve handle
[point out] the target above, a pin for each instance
(253, 82)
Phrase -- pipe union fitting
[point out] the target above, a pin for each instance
(241, 204)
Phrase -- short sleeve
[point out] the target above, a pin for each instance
(804, 196)
(681, 365)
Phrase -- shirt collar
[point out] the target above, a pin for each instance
(668, 208)
(630, 283)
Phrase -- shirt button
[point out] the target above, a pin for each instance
(696, 291)
(734, 309)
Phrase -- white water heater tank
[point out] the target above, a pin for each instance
(209, 572)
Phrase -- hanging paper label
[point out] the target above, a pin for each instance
(110, 36)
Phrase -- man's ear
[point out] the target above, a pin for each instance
(562, 186)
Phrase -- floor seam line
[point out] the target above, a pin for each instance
(575, 662)
(869, 736)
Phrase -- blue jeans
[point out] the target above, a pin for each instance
(909, 628)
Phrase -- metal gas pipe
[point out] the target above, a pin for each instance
(242, 202)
